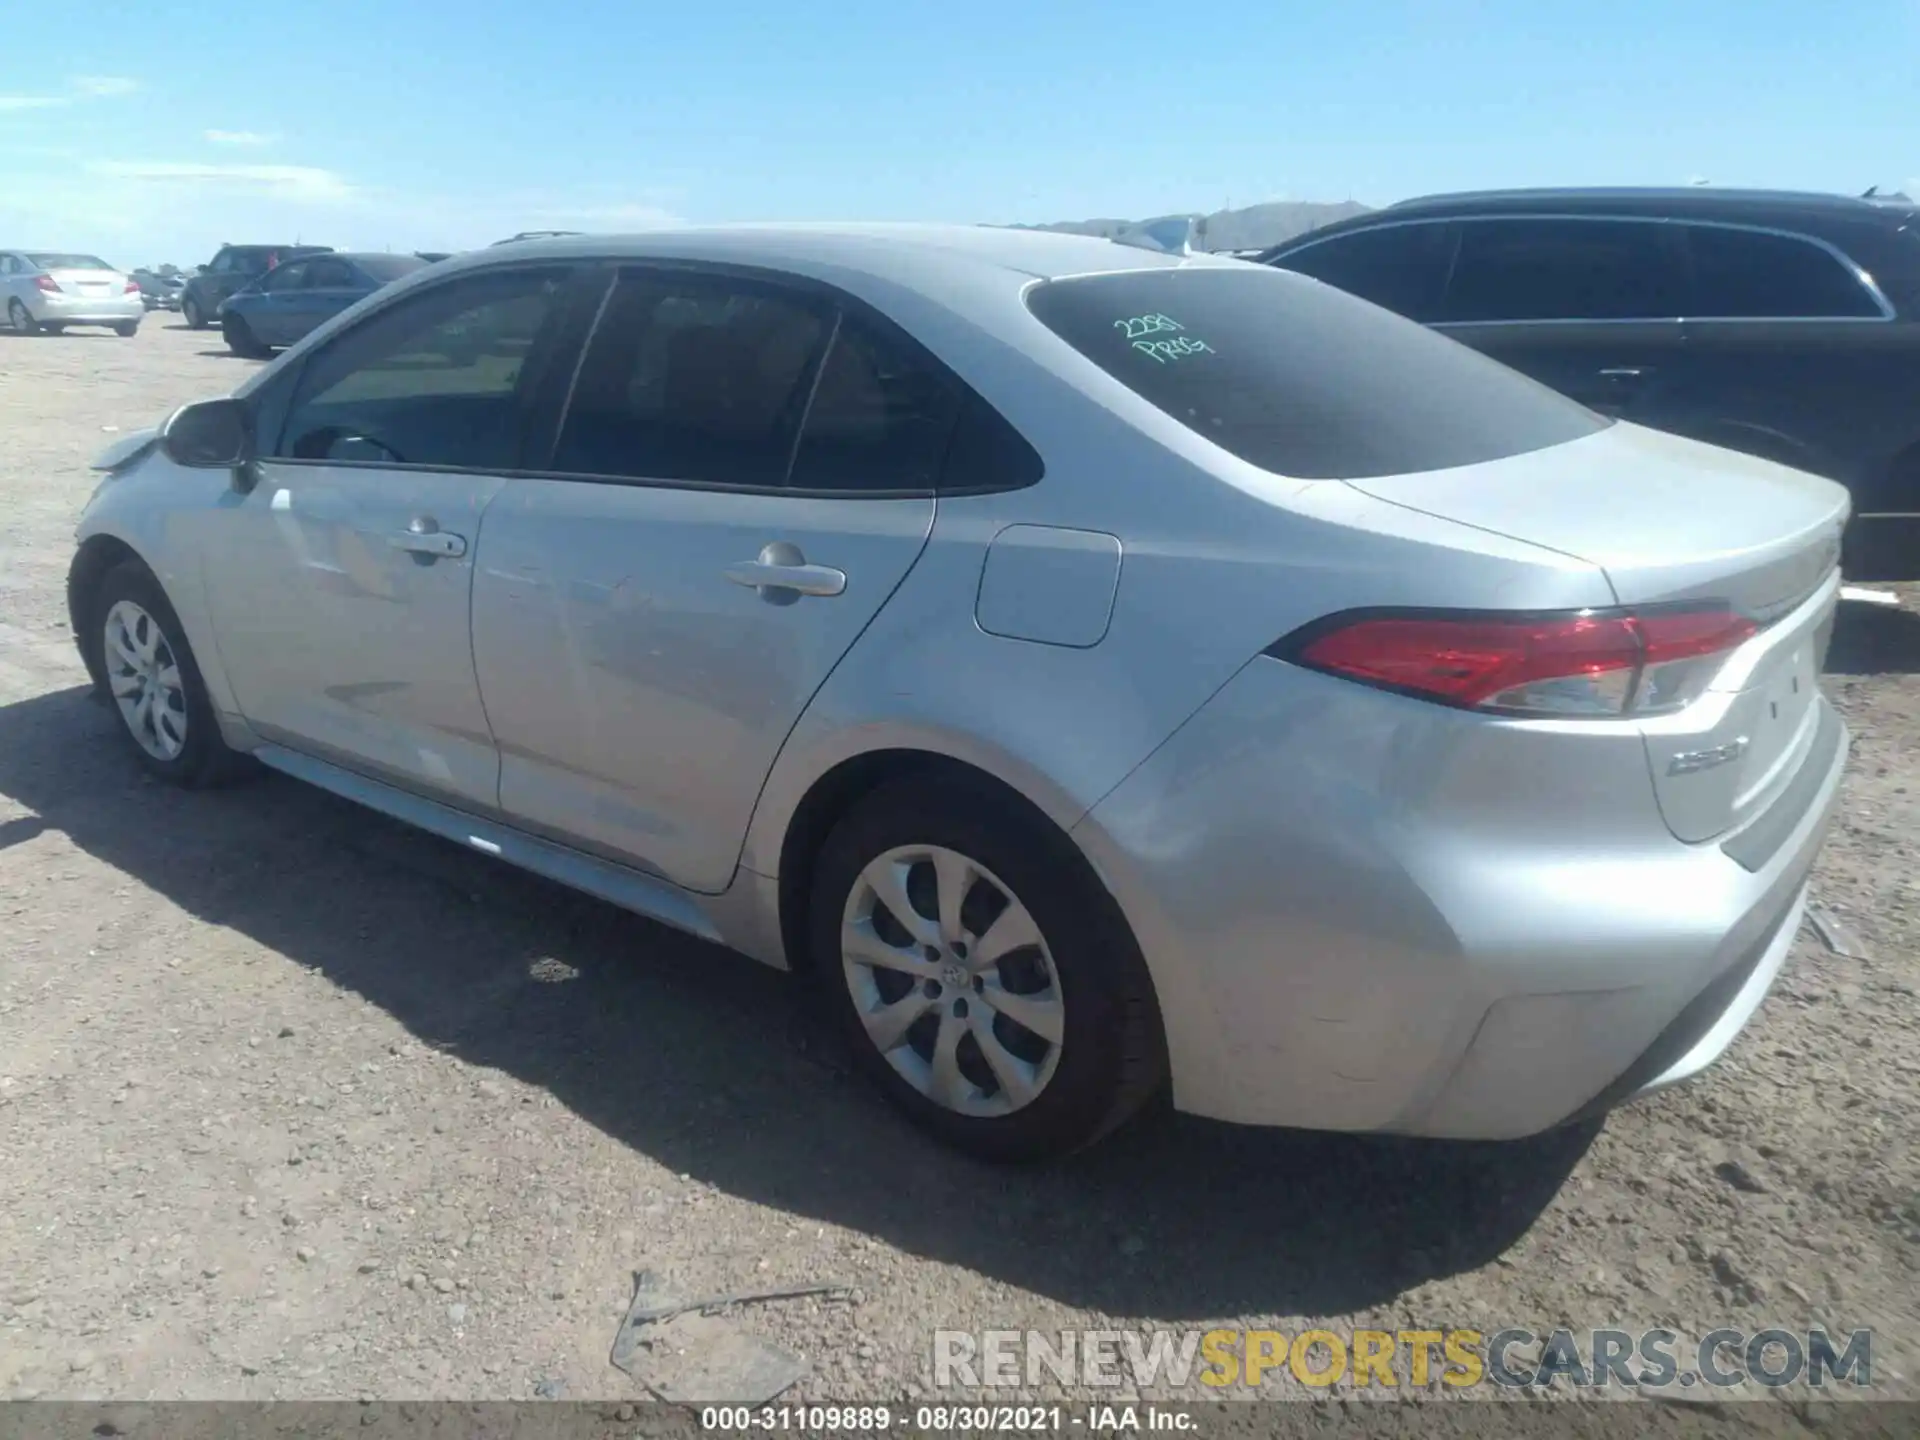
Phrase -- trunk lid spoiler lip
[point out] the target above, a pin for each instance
(1760, 536)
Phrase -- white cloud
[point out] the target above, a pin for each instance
(240, 137)
(102, 86)
(305, 183)
(81, 87)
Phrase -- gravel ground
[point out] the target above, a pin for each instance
(295, 1103)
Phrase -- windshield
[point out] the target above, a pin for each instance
(1302, 379)
(56, 260)
(390, 267)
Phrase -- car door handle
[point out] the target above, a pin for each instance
(782, 574)
(1625, 374)
(423, 536)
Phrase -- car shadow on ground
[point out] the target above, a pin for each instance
(1874, 640)
(716, 1068)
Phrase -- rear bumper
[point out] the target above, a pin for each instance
(1367, 913)
(65, 309)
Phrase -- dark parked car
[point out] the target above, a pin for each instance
(1783, 325)
(291, 299)
(233, 267)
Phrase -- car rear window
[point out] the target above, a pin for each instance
(390, 267)
(55, 260)
(1300, 378)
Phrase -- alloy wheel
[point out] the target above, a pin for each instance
(145, 679)
(18, 317)
(952, 980)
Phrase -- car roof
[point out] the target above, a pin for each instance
(1812, 211)
(1704, 200)
(892, 250)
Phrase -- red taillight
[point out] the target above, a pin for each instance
(1579, 663)
(133, 287)
(46, 283)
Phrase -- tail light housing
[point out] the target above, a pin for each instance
(47, 283)
(1567, 663)
(132, 287)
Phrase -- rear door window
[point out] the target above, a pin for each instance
(323, 274)
(1403, 267)
(1757, 275)
(694, 378)
(286, 277)
(1566, 269)
(1302, 379)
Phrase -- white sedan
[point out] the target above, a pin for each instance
(44, 291)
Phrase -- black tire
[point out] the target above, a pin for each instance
(127, 329)
(191, 313)
(1112, 1053)
(240, 339)
(205, 758)
(18, 318)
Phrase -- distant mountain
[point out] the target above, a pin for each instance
(1253, 228)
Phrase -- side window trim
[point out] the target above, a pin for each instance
(813, 393)
(1314, 242)
(1858, 275)
(276, 407)
(838, 302)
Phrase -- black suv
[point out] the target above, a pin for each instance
(232, 267)
(1780, 324)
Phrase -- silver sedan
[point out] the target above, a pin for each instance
(45, 291)
(1098, 668)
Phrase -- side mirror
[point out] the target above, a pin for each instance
(199, 269)
(212, 435)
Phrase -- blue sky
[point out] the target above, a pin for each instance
(152, 131)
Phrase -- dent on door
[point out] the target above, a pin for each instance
(643, 653)
(341, 606)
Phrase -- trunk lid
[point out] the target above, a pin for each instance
(93, 284)
(1671, 520)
